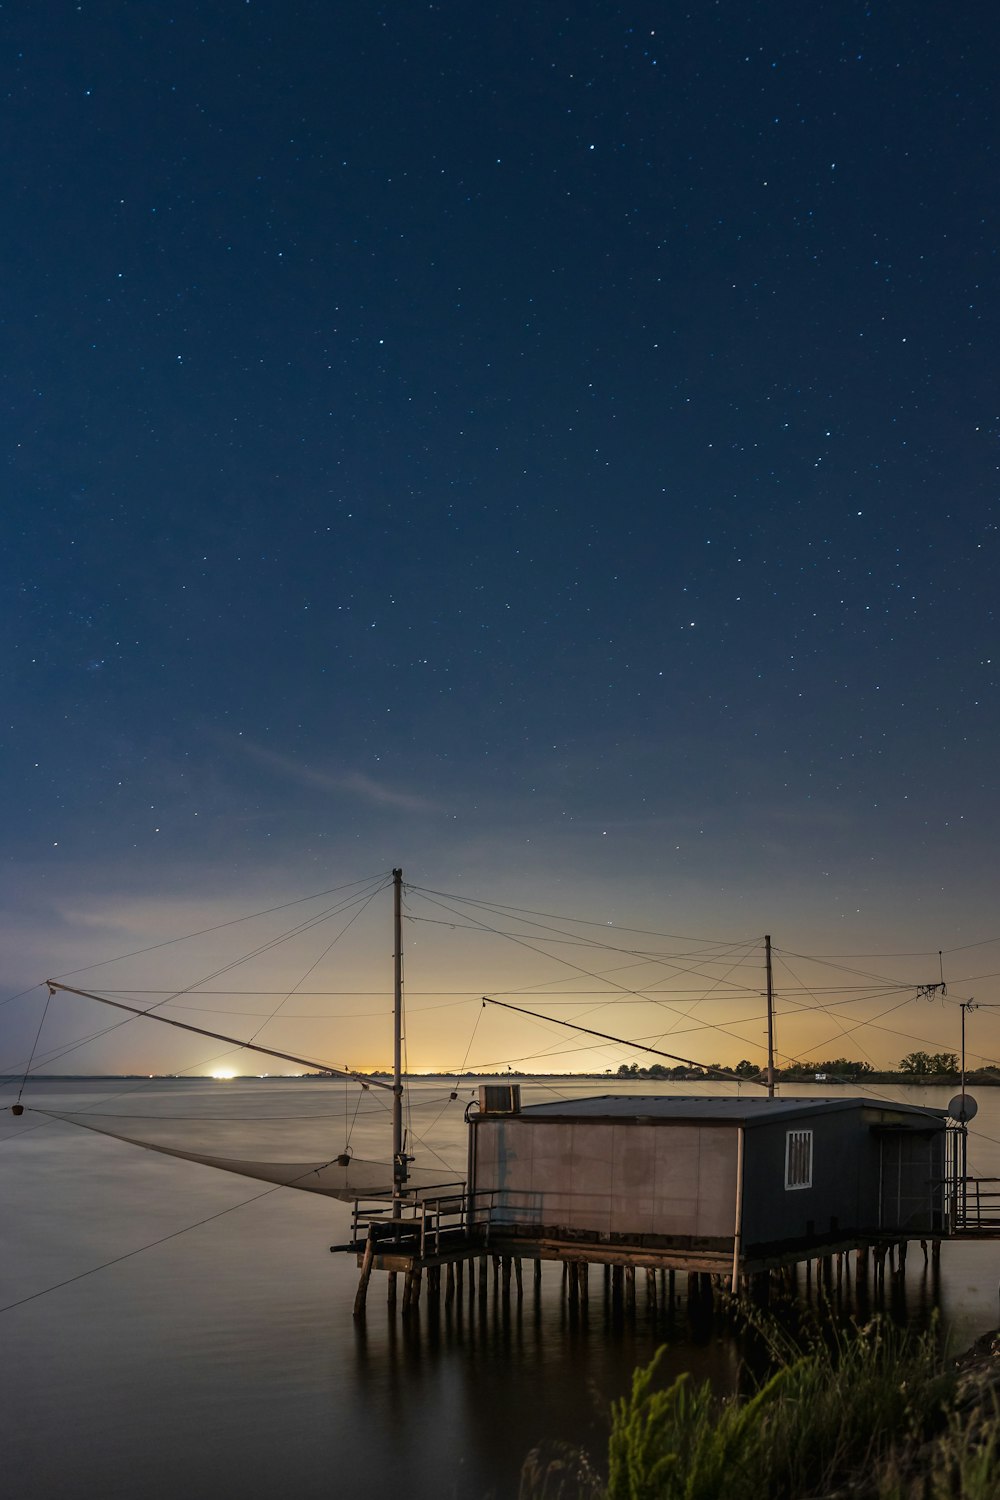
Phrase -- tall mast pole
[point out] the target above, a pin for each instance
(398, 1161)
(770, 1016)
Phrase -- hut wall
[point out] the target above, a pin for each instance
(865, 1180)
(622, 1177)
(831, 1206)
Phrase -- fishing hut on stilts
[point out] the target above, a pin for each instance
(729, 1192)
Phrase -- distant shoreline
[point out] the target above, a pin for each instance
(917, 1080)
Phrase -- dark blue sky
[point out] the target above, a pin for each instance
(552, 448)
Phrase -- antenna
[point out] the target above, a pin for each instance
(770, 1016)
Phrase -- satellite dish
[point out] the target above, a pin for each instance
(963, 1108)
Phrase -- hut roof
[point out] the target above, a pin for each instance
(726, 1111)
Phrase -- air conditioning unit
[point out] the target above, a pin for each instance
(499, 1098)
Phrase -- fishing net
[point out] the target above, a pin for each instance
(214, 1143)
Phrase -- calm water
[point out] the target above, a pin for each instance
(226, 1360)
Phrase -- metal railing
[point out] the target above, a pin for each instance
(978, 1203)
(424, 1223)
(971, 1203)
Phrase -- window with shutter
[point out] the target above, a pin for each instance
(798, 1159)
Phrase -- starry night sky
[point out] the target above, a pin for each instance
(550, 448)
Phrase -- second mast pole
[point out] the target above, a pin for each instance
(398, 1160)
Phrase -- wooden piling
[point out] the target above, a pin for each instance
(878, 1264)
(366, 1274)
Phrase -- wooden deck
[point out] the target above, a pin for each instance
(457, 1231)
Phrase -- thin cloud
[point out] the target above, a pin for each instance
(354, 783)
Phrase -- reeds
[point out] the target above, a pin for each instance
(872, 1413)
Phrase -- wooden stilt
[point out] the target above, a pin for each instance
(517, 1277)
(630, 1287)
(391, 1289)
(367, 1260)
(538, 1275)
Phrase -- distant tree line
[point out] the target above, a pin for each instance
(923, 1065)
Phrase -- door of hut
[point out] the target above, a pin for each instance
(910, 1180)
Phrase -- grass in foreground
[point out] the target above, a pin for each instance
(872, 1414)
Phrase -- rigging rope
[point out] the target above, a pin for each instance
(219, 926)
(139, 1251)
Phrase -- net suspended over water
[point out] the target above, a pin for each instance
(211, 1142)
(222, 1143)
